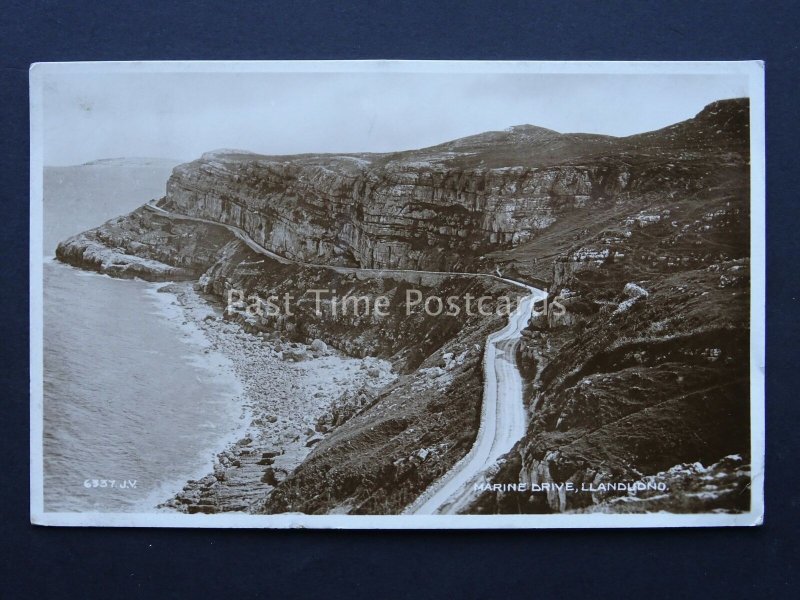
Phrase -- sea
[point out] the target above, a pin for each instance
(135, 401)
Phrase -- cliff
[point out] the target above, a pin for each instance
(142, 245)
(447, 207)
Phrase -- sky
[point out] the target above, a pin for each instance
(181, 115)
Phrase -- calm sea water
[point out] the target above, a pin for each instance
(129, 394)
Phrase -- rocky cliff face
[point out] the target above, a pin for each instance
(143, 245)
(379, 213)
(445, 207)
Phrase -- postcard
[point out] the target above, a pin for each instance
(397, 294)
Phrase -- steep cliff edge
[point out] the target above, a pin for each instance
(511, 198)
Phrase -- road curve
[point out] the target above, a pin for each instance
(258, 248)
(503, 418)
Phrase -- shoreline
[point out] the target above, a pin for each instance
(220, 370)
(284, 403)
(190, 354)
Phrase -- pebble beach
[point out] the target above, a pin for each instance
(288, 389)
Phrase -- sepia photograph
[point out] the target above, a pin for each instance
(397, 294)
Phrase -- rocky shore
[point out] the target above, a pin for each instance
(293, 397)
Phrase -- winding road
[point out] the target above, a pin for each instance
(503, 417)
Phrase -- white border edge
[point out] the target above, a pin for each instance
(758, 272)
(36, 296)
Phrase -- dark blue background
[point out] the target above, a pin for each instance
(164, 563)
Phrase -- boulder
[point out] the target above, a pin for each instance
(631, 290)
(313, 440)
(296, 355)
